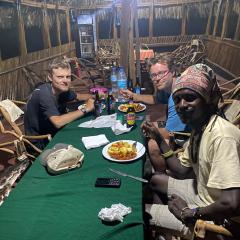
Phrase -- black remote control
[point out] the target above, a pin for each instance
(108, 182)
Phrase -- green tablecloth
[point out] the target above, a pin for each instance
(66, 206)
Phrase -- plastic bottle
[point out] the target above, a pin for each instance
(97, 105)
(110, 103)
(137, 87)
(122, 84)
(131, 116)
(114, 82)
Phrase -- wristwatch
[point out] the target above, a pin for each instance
(83, 109)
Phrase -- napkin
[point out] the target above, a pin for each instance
(118, 128)
(100, 122)
(94, 141)
(115, 213)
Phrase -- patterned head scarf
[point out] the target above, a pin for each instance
(201, 79)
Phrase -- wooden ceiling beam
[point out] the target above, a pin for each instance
(37, 4)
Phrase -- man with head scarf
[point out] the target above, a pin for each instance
(212, 154)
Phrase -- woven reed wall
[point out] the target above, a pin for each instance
(225, 54)
(13, 81)
(158, 41)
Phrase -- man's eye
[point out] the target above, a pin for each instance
(176, 100)
(190, 98)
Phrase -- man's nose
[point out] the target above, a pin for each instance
(183, 103)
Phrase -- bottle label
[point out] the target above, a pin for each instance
(122, 83)
(131, 119)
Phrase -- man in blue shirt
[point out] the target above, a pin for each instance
(162, 74)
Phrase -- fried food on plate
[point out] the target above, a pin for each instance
(122, 151)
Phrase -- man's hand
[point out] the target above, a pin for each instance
(179, 208)
(90, 105)
(126, 93)
(151, 131)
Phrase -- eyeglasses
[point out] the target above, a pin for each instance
(160, 74)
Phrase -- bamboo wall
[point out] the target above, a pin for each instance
(225, 54)
(14, 83)
(154, 41)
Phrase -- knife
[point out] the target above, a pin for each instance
(128, 175)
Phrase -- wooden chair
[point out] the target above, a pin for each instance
(210, 231)
(10, 126)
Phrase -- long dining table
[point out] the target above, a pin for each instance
(66, 206)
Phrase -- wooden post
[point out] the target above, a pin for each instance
(151, 15)
(137, 48)
(114, 23)
(58, 27)
(131, 62)
(217, 17)
(226, 18)
(184, 20)
(68, 25)
(124, 34)
(237, 32)
(45, 28)
(207, 32)
(21, 32)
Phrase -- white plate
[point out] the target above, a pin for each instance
(143, 105)
(140, 151)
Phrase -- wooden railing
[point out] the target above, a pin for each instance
(155, 41)
(15, 84)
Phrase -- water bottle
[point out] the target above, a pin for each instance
(122, 83)
(114, 82)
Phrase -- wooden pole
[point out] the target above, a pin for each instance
(45, 28)
(124, 34)
(137, 48)
(227, 12)
(114, 23)
(151, 15)
(68, 25)
(58, 27)
(131, 62)
(207, 32)
(237, 32)
(21, 32)
(184, 20)
(217, 17)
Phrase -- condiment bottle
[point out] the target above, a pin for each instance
(97, 105)
(110, 103)
(131, 116)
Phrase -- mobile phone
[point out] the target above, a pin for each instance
(108, 182)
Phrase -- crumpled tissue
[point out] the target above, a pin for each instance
(115, 213)
(100, 122)
(95, 141)
(118, 128)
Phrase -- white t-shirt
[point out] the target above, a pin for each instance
(219, 159)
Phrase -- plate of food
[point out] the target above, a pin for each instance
(139, 107)
(123, 151)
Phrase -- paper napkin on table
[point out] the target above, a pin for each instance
(115, 213)
(95, 141)
(100, 122)
(118, 128)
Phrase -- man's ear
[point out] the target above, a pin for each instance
(49, 77)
